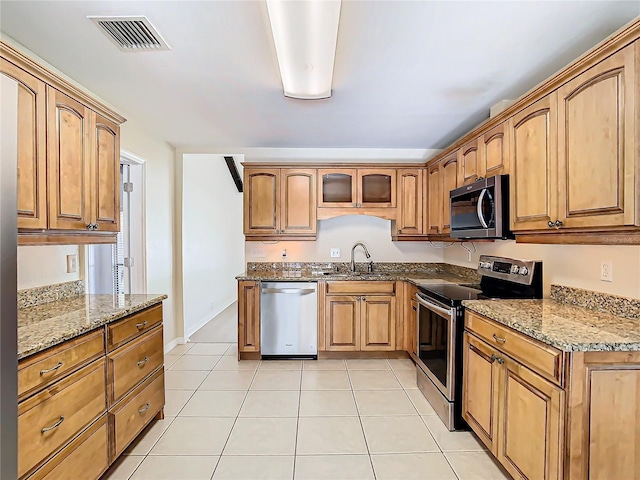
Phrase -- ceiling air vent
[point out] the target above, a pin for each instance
(131, 34)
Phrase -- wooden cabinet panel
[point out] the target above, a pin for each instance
(410, 315)
(376, 187)
(481, 381)
(534, 155)
(50, 418)
(31, 147)
(495, 151)
(378, 323)
(129, 365)
(298, 202)
(68, 162)
(532, 414)
(434, 194)
(261, 201)
(37, 371)
(360, 288)
(342, 323)
(449, 182)
(248, 316)
(125, 330)
(337, 187)
(597, 155)
(87, 456)
(410, 217)
(105, 188)
(470, 161)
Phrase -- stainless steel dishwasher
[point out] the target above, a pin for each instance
(289, 320)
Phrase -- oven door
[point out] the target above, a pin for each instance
(436, 344)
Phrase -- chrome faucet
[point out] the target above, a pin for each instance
(353, 249)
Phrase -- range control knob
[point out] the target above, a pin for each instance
(524, 271)
(485, 264)
(514, 269)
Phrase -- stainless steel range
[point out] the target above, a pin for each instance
(441, 324)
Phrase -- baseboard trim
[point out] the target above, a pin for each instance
(174, 343)
(208, 318)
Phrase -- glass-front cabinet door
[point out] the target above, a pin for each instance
(337, 187)
(377, 187)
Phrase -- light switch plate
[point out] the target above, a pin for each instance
(335, 253)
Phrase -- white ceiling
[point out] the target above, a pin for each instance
(408, 74)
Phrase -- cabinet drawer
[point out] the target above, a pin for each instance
(136, 411)
(40, 370)
(125, 330)
(361, 288)
(85, 457)
(50, 418)
(543, 359)
(130, 364)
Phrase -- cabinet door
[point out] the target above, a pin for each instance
(480, 383)
(28, 109)
(376, 187)
(470, 160)
(337, 187)
(342, 323)
(534, 159)
(248, 316)
(410, 219)
(378, 323)
(413, 329)
(298, 201)
(531, 443)
(434, 183)
(449, 182)
(105, 188)
(261, 201)
(597, 123)
(68, 162)
(494, 151)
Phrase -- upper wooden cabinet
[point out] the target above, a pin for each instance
(494, 151)
(280, 202)
(356, 188)
(449, 182)
(434, 199)
(470, 160)
(534, 165)
(597, 149)
(410, 202)
(67, 153)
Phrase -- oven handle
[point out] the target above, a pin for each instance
(426, 303)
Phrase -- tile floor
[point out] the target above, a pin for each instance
(327, 419)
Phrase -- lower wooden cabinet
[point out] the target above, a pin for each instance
(583, 428)
(248, 317)
(342, 323)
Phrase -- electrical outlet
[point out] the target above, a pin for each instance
(258, 253)
(72, 263)
(335, 253)
(284, 253)
(606, 271)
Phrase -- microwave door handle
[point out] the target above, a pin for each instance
(483, 222)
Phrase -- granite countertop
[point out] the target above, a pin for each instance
(570, 328)
(312, 276)
(49, 324)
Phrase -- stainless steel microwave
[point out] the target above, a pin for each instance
(481, 210)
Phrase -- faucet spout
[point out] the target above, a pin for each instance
(353, 249)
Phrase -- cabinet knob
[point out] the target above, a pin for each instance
(96, 226)
(89, 226)
(551, 224)
(399, 230)
(364, 299)
(559, 223)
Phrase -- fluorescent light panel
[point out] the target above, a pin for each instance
(305, 33)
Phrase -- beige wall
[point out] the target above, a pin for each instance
(571, 265)
(343, 232)
(47, 265)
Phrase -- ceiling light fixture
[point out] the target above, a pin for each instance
(305, 33)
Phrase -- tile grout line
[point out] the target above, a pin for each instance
(353, 394)
(295, 444)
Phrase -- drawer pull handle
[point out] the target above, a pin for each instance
(143, 361)
(499, 339)
(55, 425)
(144, 409)
(52, 369)
(140, 326)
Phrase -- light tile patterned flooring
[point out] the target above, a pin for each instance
(326, 419)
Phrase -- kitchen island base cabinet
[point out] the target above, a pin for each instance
(248, 319)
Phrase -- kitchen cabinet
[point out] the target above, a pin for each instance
(68, 156)
(248, 317)
(280, 203)
(470, 159)
(360, 316)
(494, 151)
(410, 202)
(533, 133)
(449, 182)
(435, 199)
(356, 187)
(597, 145)
(410, 316)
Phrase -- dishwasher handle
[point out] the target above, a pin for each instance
(290, 291)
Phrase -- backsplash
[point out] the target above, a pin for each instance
(32, 297)
(601, 302)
